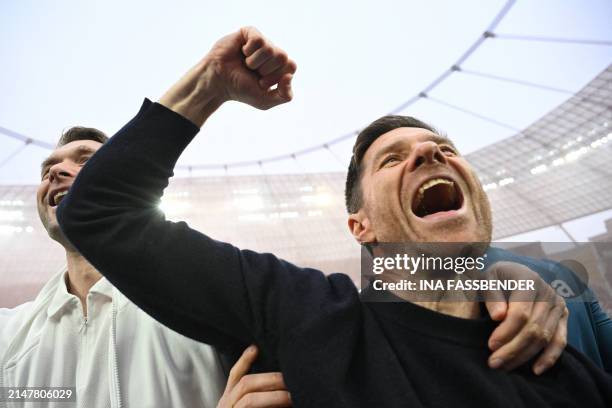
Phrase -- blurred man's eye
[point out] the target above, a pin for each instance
(447, 150)
(389, 160)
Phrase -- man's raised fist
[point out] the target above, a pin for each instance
(247, 65)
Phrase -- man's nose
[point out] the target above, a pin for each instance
(427, 153)
(60, 171)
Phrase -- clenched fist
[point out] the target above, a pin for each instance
(248, 65)
(243, 66)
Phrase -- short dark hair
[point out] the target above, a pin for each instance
(81, 133)
(365, 138)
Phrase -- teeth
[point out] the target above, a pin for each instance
(429, 184)
(432, 183)
(59, 196)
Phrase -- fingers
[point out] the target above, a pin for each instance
(275, 399)
(271, 64)
(517, 316)
(284, 87)
(274, 77)
(496, 305)
(553, 350)
(266, 53)
(495, 300)
(279, 95)
(242, 367)
(277, 61)
(254, 390)
(253, 40)
(537, 322)
(532, 338)
(269, 61)
(252, 70)
(257, 383)
(515, 311)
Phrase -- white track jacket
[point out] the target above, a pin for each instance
(119, 357)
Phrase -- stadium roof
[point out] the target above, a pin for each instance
(555, 170)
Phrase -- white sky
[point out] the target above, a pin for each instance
(90, 63)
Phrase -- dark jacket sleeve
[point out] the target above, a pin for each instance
(202, 288)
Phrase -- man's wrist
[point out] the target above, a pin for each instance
(197, 94)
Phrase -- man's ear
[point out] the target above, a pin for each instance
(361, 228)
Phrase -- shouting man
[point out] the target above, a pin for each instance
(81, 332)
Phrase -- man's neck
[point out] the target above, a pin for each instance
(81, 276)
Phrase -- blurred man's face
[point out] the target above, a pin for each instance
(57, 175)
(416, 188)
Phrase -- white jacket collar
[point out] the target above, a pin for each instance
(62, 298)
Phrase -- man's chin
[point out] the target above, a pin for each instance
(457, 233)
(55, 233)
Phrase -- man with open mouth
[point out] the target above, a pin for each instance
(406, 183)
(80, 332)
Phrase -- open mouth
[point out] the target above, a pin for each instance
(435, 196)
(56, 198)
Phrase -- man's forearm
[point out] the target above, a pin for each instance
(197, 95)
